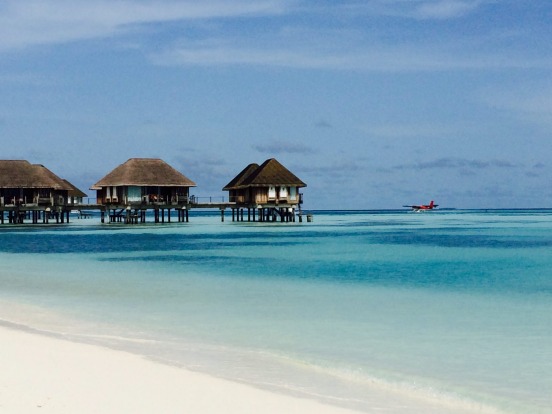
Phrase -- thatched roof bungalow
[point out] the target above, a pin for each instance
(268, 184)
(143, 181)
(23, 183)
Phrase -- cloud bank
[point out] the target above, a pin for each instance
(288, 39)
(283, 147)
(455, 163)
(35, 22)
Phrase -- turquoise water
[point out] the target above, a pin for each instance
(447, 308)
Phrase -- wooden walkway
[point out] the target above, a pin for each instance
(135, 213)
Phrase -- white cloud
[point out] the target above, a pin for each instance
(343, 47)
(340, 52)
(445, 9)
(215, 55)
(414, 9)
(457, 163)
(36, 22)
(411, 9)
(281, 147)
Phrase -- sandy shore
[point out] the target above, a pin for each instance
(48, 375)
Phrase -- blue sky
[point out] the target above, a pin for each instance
(374, 103)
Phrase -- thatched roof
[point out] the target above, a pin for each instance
(241, 177)
(74, 191)
(144, 172)
(46, 174)
(270, 172)
(23, 174)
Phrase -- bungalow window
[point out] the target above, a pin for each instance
(271, 192)
(44, 193)
(134, 194)
(283, 192)
(293, 193)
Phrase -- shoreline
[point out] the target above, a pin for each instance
(60, 376)
(45, 371)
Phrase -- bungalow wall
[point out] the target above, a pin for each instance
(265, 195)
(38, 196)
(74, 201)
(142, 195)
(241, 196)
(276, 194)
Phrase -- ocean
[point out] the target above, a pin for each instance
(380, 311)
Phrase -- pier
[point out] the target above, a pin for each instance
(135, 213)
(30, 193)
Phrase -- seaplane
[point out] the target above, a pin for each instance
(424, 207)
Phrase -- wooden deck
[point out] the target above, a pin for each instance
(135, 213)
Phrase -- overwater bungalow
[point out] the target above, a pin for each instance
(31, 191)
(142, 184)
(269, 188)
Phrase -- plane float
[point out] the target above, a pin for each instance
(423, 207)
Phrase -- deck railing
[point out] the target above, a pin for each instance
(206, 199)
(240, 199)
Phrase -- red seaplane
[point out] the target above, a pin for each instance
(424, 207)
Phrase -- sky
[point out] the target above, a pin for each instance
(374, 103)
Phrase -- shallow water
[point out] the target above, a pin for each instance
(451, 308)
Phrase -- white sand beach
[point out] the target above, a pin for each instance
(49, 375)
